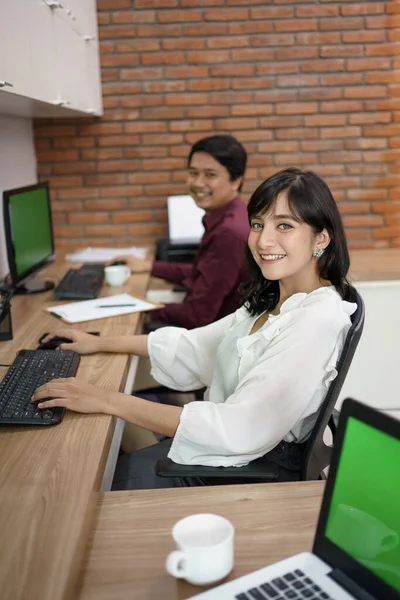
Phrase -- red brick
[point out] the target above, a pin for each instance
(284, 39)
(226, 14)
(363, 8)
(179, 16)
(359, 37)
(67, 231)
(208, 56)
(207, 111)
(354, 208)
(367, 144)
(320, 145)
(301, 108)
(162, 31)
(317, 11)
(341, 106)
(134, 16)
(131, 216)
(105, 230)
(347, 50)
(297, 25)
(183, 44)
(155, 230)
(370, 118)
(156, 3)
(278, 122)
(252, 83)
(106, 205)
(386, 232)
(272, 12)
(235, 123)
(57, 155)
(368, 64)
(342, 79)
(380, 22)
(206, 30)
(138, 46)
(105, 179)
(275, 147)
(232, 71)
(148, 126)
(250, 27)
(302, 133)
(92, 217)
(297, 81)
(251, 109)
(120, 191)
(340, 132)
(318, 38)
(250, 54)
(208, 84)
(185, 72)
(161, 112)
(283, 160)
(371, 91)
(118, 140)
(163, 58)
(296, 53)
(238, 41)
(323, 65)
(119, 60)
(369, 194)
(386, 207)
(341, 24)
(113, 4)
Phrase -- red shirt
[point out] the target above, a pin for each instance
(216, 273)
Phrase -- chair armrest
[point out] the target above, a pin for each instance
(261, 468)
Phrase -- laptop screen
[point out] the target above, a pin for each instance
(364, 515)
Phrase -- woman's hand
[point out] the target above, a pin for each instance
(136, 265)
(81, 342)
(74, 394)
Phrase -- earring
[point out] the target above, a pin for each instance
(318, 252)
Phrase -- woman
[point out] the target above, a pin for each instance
(267, 366)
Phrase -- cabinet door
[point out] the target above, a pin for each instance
(70, 57)
(93, 78)
(14, 47)
(41, 51)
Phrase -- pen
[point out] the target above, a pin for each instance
(115, 305)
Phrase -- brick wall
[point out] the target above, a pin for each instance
(309, 83)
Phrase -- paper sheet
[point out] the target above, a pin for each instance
(102, 255)
(110, 306)
(184, 219)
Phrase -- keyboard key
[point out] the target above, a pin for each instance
(280, 584)
(289, 577)
(298, 585)
(256, 594)
(307, 593)
(299, 573)
(269, 590)
(242, 597)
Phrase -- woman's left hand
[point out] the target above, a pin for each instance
(74, 394)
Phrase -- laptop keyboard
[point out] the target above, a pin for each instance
(291, 586)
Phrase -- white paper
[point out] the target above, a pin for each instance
(184, 219)
(102, 255)
(89, 310)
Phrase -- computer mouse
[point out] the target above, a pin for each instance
(54, 343)
(116, 263)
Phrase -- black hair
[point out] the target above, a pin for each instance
(310, 201)
(226, 150)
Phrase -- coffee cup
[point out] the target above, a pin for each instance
(116, 274)
(205, 549)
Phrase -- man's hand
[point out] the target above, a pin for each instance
(82, 343)
(136, 265)
(73, 394)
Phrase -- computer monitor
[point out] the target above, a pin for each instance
(28, 235)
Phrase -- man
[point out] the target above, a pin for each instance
(216, 167)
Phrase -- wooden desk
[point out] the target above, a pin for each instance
(50, 478)
(133, 534)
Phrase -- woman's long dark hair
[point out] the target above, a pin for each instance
(310, 200)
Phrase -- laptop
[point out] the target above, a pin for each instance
(356, 551)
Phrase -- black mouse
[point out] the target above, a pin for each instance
(116, 263)
(54, 343)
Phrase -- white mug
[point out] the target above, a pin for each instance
(205, 549)
(117, 274)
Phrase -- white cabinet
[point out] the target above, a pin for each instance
(49, 54)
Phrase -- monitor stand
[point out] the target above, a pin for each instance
(33, 286)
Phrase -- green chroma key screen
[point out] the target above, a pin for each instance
(364, 517)
(31, 227)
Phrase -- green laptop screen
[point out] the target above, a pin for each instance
(364, 517)
(31, 228)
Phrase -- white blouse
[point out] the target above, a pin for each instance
(262, 388)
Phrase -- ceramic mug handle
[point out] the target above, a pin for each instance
(176, 564)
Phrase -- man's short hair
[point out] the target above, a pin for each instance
(226, 150)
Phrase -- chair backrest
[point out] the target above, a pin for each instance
(317, 454)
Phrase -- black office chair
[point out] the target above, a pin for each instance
(286, 462)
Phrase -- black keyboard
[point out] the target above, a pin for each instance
(31, 369)
(81, 284)
(290, 586)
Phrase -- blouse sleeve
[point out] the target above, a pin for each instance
(272, 397)
(183, 359)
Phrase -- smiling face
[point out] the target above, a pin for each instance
(282, 247)
(209, 182)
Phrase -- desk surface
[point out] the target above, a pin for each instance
(50, 477)
(133, 534)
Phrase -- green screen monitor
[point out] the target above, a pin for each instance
(29, 236)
